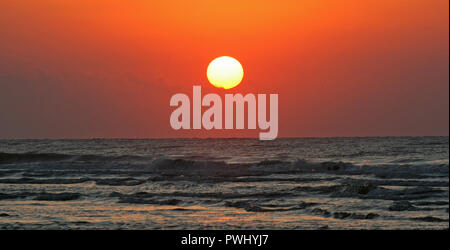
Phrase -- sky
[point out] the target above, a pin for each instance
(107, 69)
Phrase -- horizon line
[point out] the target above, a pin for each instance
(209, 138)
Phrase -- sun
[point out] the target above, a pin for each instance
(225, 72)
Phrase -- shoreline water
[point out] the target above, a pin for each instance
(333, 183)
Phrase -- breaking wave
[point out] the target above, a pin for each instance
(49, 164)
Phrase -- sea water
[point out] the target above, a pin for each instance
(288, 183)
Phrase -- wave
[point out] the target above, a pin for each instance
(43, 196)
(409, 206)
(99, 181)
(12, 158)
(430, 219)
(51, 164)
(344, 215)
(8, 158)
(27, 180)
(251, 206)
(57, 196)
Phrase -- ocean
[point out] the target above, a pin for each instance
(288, 183)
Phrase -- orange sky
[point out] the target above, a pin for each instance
(97, 68)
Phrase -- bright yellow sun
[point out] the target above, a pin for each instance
(225, 72)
